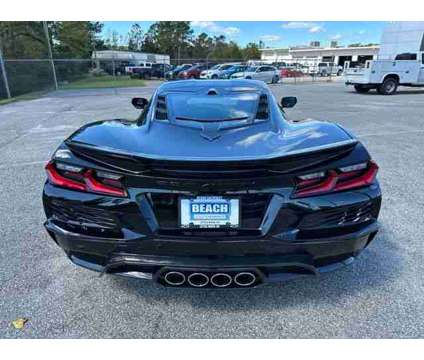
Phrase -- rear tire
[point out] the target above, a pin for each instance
(388, 87)
(214, 77)
(361, 89)
(274, 80)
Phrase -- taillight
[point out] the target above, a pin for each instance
(88, 180)
(345, 178)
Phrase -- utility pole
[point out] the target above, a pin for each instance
(3, 71)
(46, 31)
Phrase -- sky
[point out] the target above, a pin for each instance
(275, 33)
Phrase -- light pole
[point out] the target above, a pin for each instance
(46, 32)
(3, 71)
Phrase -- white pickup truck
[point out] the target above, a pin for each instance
(406, 69)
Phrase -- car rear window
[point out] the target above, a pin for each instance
(212, 107)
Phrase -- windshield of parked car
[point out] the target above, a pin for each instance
(251, 68)
(215, 67)
(225, 67)
(205, 107)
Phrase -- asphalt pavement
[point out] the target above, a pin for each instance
(381, 295)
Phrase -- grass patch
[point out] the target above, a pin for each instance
(29, 96)
(99, 82)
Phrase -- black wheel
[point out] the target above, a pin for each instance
(214, 77)
(248, 77)
(388, 87)
(274, 80)
(361, 89)
(340, 72)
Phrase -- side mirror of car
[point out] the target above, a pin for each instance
(288, 101)
(139, 103)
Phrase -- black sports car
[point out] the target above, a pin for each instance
(212, 187)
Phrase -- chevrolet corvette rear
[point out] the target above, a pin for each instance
(212, 187)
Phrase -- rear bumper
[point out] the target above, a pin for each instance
(280, 260)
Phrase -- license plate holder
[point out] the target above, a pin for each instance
(209, 212)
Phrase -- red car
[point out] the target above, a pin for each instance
(194, 71)
(290, 72)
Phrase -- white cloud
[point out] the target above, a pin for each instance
(270, 37)
(336, 37)
(316, 29)
(298, 25)
(231, 31)
(310, 26)
(213, 27)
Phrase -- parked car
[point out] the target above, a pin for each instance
(225, 195)
(215, 71)
(328, 69)
(155, 70)
(290, 71)
(407, 69)
(142, 66)
(194, 72)
(173, 73)
(226, 74)
(266, 73)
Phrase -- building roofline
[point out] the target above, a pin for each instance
(373, 47)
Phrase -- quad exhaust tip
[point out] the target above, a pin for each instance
(221, 280)
(174, 278)
(198, 279)
(245, 279)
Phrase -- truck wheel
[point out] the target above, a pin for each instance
(361, 89)
(388, 87)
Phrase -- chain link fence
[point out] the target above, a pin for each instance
(25, 76)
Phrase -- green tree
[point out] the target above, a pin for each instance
(135, 38)
(169, 37)
(251, 52)
(23, 39)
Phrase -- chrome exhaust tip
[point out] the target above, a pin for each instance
(221, 280)
(198, 280)
(174, 278)
(245, 279)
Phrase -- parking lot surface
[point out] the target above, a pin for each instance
(381, 295)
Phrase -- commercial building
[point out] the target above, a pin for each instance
(129, 56)
(310, 56)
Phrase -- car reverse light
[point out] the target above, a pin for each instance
(77, 178)
(345, 178)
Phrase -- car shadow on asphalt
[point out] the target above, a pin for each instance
(399, 92)
(379, 264)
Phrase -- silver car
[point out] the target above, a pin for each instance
(266, 73)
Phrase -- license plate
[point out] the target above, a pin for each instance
(209, 212)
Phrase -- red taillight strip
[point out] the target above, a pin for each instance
(326, 185)
(334, 182)
(59, 180)
(365, 179)
(90, 183)
(97, 187)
